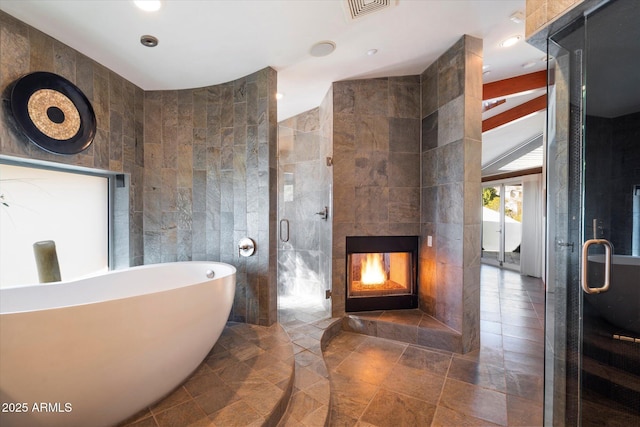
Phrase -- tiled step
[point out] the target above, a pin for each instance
(409, 326)
(310, 402)
(247, 379)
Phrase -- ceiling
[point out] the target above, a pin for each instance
(203, 43)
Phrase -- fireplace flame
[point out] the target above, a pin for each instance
(372, 270)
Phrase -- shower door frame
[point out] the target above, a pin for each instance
(565, 324)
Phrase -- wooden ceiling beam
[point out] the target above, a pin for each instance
(514, 85)
(536, 104)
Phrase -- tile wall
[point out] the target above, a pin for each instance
(376, 165)
(449, 284)
(201, 162)
(209, 157)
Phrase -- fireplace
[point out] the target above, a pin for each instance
(382, 273)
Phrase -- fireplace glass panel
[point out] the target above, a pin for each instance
(379, 274)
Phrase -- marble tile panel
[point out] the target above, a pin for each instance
(430, 168)
(411, 79)
(404, 99)
(238, 413)
(116, 93)
(483, 375)
(100, 102)
(185, 413)
(392, 409)
(64, 60)
(472, 150)
(475, 401)
(451, 121)
(436, 363)
(306, 147)
(303, 404)
(474, 46)
(558, 7)
(344, 94)
(429, 79)
(429, 132)
(351, 394)
(41, 57)
(404, 205)
(443, 339)
(362, 368)
(404, 135)
(451, 163)
(415, 383)
(372, 133)
(371, 204)
(372, 97)
(309, 121)
(404, 170)
(526, 386)
(451, 73)
(472, 245)
(449, 303)
(427, 285)
(445, 417)
(523, 412)
(449, 197)
(371, 169)
(101, 149)
(115, 136)
(398, 332)
(449, 243)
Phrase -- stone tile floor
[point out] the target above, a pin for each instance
(365, 381)
(380, 382)
(244, 381)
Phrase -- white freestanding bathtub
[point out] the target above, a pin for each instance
(93, 352)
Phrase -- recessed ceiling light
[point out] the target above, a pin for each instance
(149, 41)
(372, 52)
(510, 41)
(148, 5)
(279, 95)
(323, 48)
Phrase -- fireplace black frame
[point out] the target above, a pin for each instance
(390, 244)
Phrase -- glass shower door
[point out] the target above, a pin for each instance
(592, 369)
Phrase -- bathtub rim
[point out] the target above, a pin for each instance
(47, 296)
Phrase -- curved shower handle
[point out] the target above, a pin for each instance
(608, 249)
(283, 223)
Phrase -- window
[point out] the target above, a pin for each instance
(69, 207)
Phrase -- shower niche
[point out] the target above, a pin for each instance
(381, 273)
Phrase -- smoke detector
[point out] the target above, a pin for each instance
(358, 8)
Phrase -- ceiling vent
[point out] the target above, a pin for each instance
(358, 8)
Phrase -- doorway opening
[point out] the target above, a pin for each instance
(502, 224)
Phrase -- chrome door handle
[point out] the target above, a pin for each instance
(284, 222)
(608, 248)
